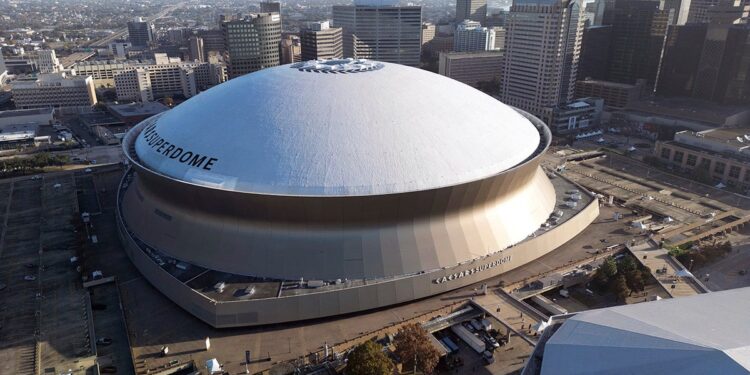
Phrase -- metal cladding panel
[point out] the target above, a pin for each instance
(368, 296)
(344, 248)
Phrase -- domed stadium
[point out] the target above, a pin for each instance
(330, 187)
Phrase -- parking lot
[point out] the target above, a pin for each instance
(44, 310)
(509, 355)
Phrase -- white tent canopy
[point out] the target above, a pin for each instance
(213, 366)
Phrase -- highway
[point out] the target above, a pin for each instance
(121, 33)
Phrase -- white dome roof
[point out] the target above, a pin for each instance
(384, 129)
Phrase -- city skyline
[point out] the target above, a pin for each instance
(374, 187)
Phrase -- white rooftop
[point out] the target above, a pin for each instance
(704, 334)
(338, 128)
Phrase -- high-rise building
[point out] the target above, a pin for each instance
(146, 81)
(615, 95)
(267, 6)
(499, 37)
(178, 35)
(213, 40)
(475, 10)
(603, 12)
(709, 61)
(471, 68)
(140, 32)
(133, 85)
(290, 50)
(638, 30)
(270, 7)
(697, 11)
(380, 30)
(595, 47)
(471, 36)
(496, 19)
(252, 42)
(428, 33)
(542, 48)
(47, 62)
(320, 41)
(197, 52)
(54, 90)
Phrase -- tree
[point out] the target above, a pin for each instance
(620, 288)
(635, 280)
(412, 343)
(626, 265)
(609, 267)
(368, 359)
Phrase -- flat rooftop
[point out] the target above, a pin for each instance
(137, 109)
(689, 109)
(26, 112)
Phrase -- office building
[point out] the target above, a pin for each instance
(471, 36)
(287, 189)
(252, 43)
(168, 77)
(196, 49)
(101, 71)
(709, 61)
(603, 12)
(320, 41)
(290, 49)
(542, 49)
(615, 95)
(140, 32)
(638, 31)
(496, 19)
(133, 84)
(54, 90)
(440, 43)
(375, 29)
(428, 33)
(718, 155)
(474, 10)
(178, 36)
(119, 50)
(499, 37)
(595, 47)
(47, 62)
(471, 68)
(213, 41)
(572, 117)
(270, 7)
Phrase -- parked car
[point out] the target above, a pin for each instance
(29, 277)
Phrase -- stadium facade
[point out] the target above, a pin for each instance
(331, 187)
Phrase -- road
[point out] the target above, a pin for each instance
(95, 155)
(120, 33)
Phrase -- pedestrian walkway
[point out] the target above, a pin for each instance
(514, 314)
(666, 270)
